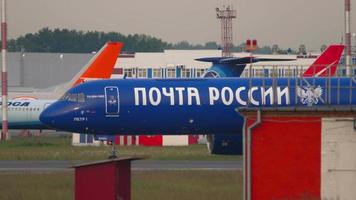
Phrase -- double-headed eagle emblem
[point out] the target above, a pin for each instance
(309, 95)
(112, 100)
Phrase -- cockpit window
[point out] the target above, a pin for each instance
(65, 96)
(81, 97)
(73, 97)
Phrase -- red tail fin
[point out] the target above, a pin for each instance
(326, 64)
(102, 64)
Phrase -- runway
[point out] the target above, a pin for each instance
(139, 165)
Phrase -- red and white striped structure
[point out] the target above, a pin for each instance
(4, 134)
(126, 140)
(144, 140)
(168, 140)
(156, 140)
(300, 157)
(348, 38)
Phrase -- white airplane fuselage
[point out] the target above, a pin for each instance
(24, 114)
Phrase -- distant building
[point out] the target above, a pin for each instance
(43, 70)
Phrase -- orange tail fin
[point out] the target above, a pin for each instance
(101, 65)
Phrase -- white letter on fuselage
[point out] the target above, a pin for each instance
(169, 94)
(280, 94)
(137, 98)
(153, 101)
(180, 95)
(265, 93)
(238, 96)
(250, 96)
(213, 95)
(227, 100)
(193, 92)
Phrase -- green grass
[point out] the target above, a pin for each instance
(173, 185)
(60, 148)
(186, 185)
(41, 186)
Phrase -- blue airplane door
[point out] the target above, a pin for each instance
(112, 101)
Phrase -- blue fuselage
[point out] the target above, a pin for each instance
(186, 106)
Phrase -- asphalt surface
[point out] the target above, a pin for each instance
(54, 165)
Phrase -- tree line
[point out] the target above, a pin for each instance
(74, 41)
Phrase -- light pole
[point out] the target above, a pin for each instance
(354, 38)
(5, 133)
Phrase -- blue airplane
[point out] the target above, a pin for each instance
(187, 106)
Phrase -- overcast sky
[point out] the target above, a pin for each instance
(284, 22)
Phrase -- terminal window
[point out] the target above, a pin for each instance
(258, 73)
(199, 72)
(186, 73)
(128, 72)
(171, 73)
(142, 73)
(289, 72)
(157, 73)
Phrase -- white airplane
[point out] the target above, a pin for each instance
(24, 108)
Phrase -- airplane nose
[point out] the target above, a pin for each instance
(48, 116)
(59, 115)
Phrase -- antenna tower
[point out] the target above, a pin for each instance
(226, 15)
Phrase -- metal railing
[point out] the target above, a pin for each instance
(272, 71)
(325, 93)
